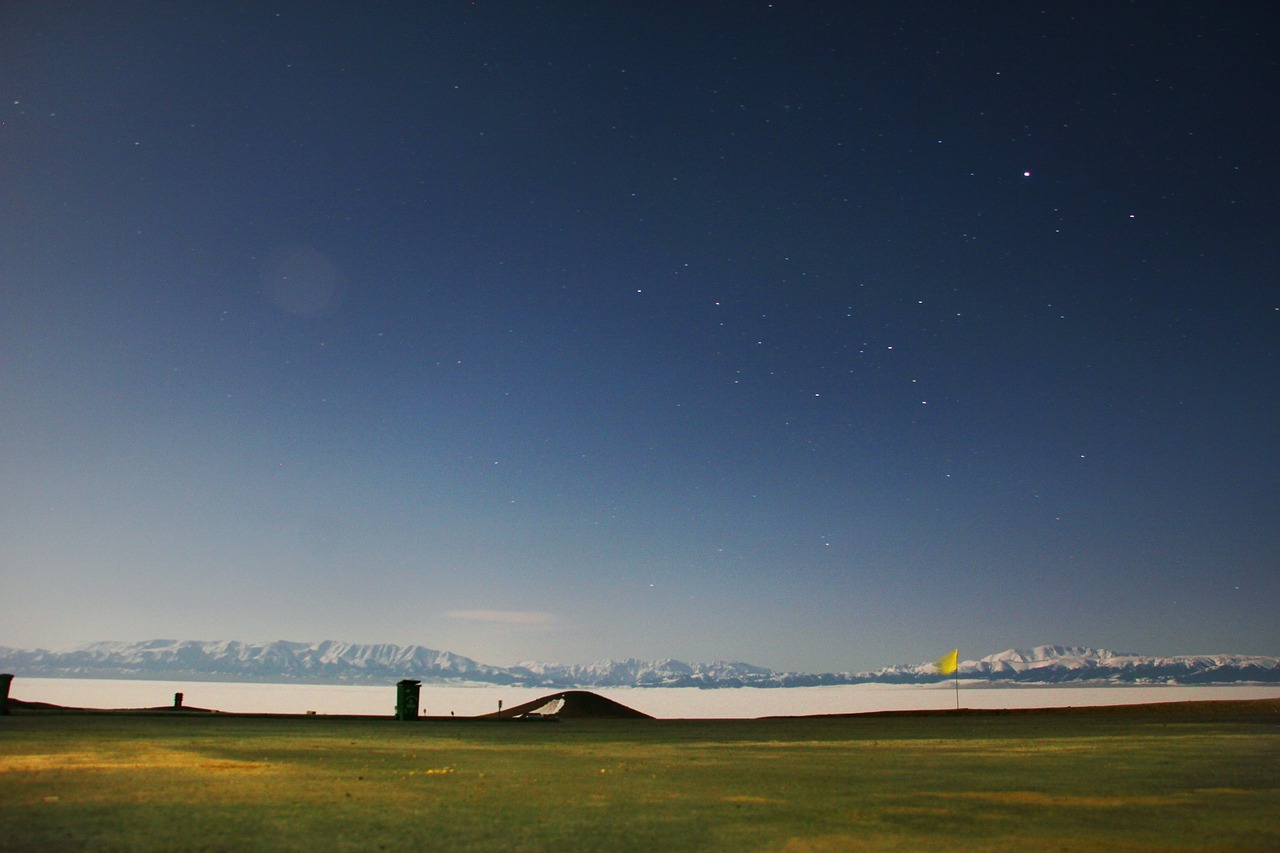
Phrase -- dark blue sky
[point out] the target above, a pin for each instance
(819, 335)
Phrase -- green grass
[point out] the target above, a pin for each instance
(1139, 781)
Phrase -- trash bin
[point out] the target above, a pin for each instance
(407, 699)
(5, 680)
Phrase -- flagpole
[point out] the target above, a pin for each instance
(957, 677)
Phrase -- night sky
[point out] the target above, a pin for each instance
(822, 336)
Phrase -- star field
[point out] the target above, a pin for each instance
(812, 335)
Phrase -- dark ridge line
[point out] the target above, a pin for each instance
(582, 704)
(576, 704)
(1192, 706)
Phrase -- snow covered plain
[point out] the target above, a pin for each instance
(666, 702)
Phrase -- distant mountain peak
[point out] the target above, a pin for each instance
(1037, 654)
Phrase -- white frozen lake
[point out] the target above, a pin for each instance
(440, 700)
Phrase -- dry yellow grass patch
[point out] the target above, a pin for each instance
(928, 811)
(1037, 798)
(141, 757)
(837, 844)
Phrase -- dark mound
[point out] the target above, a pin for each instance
(24, 705)
(571, 704)
(20, 704)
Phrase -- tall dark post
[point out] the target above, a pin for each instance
(5, 680)
(407, 699)
(177, 701)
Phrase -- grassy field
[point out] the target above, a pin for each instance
(1162, 779)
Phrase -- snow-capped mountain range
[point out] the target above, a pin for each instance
(331, 661)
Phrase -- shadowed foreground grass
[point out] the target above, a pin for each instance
(1144, 780)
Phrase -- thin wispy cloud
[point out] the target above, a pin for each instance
(505, 617)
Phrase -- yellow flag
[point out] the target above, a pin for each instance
(947, 663)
